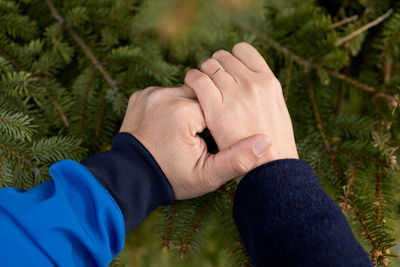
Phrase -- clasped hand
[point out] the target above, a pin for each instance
(242, 106)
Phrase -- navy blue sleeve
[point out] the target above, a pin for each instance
(285, 218)
(133, 177)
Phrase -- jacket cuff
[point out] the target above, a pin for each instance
(132, 176)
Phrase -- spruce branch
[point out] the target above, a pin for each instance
(59, 109)
(83, 102)
(378, 195)
(88, 52)
(364, 225)
(195, 225)
(343, 22)
(321, 130)
(344, 205)
(364, 28)
(389, 43)
(166, 240)
(308, 65)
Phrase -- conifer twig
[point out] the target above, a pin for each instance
(364, 28)
(83, 101)
(344, 206)
(88, 52)
(308, 64)
(196, 223)
(170, 219)
(321, 129)
(389, 43)
(343, 22)
(378, 195)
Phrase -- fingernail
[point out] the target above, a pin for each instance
(260, 147)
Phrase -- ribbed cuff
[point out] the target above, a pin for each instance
(133, 177)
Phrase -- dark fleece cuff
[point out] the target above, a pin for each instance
(132, 176)
(285, 218)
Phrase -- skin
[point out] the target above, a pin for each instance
(244, 100)
(166, 121)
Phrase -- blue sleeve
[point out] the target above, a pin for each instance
(81, 216)
(285, 218)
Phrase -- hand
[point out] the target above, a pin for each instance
(166, 121)
(244, 100)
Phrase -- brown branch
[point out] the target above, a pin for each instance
(170, 219)
(83, 100)
(343, 22)
(364, 225)
(344, 205)
(59, 109)
(16, 154)
(321, 129)
(308, 64)
(88, 52)
(389, 43)
(351, 81)
(196, 224)
(378, 195)
(99, 120)
(364, 28)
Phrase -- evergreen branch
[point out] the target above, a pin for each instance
(4, 147)
(344, 205)
(343, 22)
(365, 228)
(170, 220)
(16, 125)
(378, 195)
(308, 64)
(389, 43)
(88, 52)
(351, 81)
(99, 120)
(83, 101)
(59, 109)
(194, 228)
(10, 100)
(321, 129)
(357, 154)
(364, 28)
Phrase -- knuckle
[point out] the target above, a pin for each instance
(239, 46)
(133, 97)
(250, 84)
(199, 78)
(240, 165)
(220, 53)
(181, 111)
(208, 63)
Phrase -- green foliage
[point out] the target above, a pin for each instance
(67, 69)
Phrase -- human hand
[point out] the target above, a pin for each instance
(243, 100)
(166, 121)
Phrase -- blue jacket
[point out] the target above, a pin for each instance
(81, 216)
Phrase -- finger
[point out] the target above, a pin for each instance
(222, 79)
(250, 57)
(207, 93)
(186, 91)
(231, 64)
(235, 161)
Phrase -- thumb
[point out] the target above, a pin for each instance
(235, 161)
